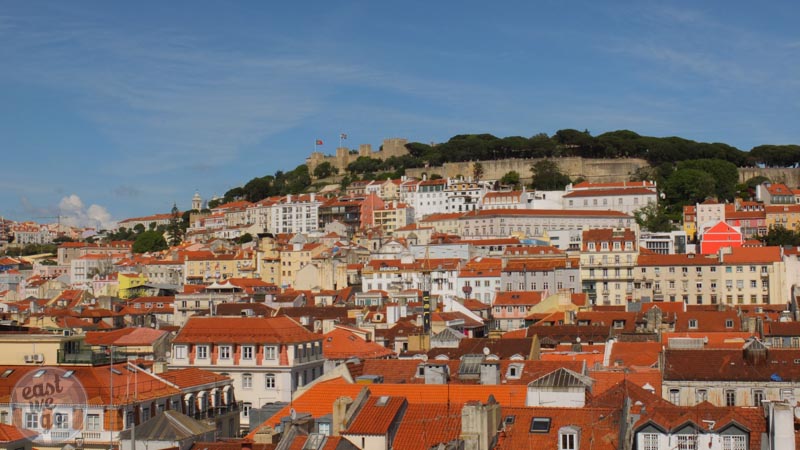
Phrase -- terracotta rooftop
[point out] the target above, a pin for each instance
(240, 330)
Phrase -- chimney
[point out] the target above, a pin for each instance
(781, 425)
(479, 424)
(436, 373)
(340, 406)
(490, 372)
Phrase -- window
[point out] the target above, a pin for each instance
(180, 352)
(247, 381)
(730, 397)
(693, 323)
(202, 352)
(734, 442)
(93, 422)
(700, 396)
(675, 396)
(687, 442)
(31, 421)
(247, 352)
(540, 425)
(758, 397)
(324, 428)
(61, 421)
(729, 323)
(224, 352)
(4, 417)
(269, 381)
(246, 407)
(650, 441)
(568, 440)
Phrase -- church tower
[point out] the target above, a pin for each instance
(197, 202)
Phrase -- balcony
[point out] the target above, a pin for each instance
(216, 411)
(89, 357)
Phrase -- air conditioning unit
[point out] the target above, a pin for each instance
(28, 358)
(38, 357)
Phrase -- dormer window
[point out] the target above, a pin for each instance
(591, 246)
(568, 438)
(619, 324)
(693, 324)
(729, 323)
(514, 371)
(604, 246)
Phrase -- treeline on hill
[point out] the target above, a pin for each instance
(662, 153)
(614, 144)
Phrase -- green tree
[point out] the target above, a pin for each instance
(510, 179)
(687, 187)
(547, 176)
(245, 238)
(653, 217)
(138, 228)
(149, 241)
(325, 170)
(779, 235)
(477, 171)
(175, 228)
(725, 174)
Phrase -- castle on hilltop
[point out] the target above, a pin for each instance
(344, 156)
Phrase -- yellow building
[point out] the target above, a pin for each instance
(128, 282)
(205, 266)
(786, 216)
(269, 261)
(294, 258)
(38, 349)
(393, 216)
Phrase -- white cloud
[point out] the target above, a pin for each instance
(73, 213)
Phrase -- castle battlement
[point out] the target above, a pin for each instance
(344, 156)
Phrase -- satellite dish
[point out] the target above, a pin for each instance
(293, 413)
(578, 340)
(486, 351)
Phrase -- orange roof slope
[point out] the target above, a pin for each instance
(255, 330)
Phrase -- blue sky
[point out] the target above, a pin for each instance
(116, 109)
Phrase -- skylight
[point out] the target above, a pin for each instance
(6, 373)
(115, 371)
(68, 374)
(540, 425)
(39, 373)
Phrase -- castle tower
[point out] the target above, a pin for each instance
(197, 201)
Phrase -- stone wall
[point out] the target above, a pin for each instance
(593, 170)
(788, 176)
(344, 156)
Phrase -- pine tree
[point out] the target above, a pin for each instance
(174, 229)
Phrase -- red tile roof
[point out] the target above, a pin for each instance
(517, 298)
(609, 192)
(125, 337)
(241, 330)
(730, 365)
(193, 377)
(342, 344)
(377, 415)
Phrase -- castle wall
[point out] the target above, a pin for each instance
(343, 157)
(593, 170)
(787, 176)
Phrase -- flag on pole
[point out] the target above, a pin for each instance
(343, 136)
(319, 142)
